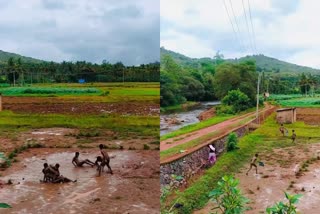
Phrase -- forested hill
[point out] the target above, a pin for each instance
(263, 63)
(4, 57)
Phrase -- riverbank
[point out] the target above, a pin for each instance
(180, 107)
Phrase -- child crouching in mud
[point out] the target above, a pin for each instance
(52, 174)
(103, 160)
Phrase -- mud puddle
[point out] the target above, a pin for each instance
(133, 187)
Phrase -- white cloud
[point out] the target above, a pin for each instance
(286, 31)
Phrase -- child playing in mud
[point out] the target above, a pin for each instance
(47, 175)
(253, 163)
(293, 137)
(105, 159)
(283, 130)
(52, 174)
(76, 162)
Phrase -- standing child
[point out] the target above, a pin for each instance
(283, 130)
(253, 163)
(105, 158)
(293, 137)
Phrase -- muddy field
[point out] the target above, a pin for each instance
(133, 188)
(282, 172)
(310, 116)
(45, 105)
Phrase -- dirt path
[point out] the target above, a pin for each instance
(279, 175)
(133, 188)
(225, 126)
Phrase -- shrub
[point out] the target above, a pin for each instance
(237, 99)
(285, 208)
(232, 141)
(228, 196)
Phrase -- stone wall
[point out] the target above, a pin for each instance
(178, 172)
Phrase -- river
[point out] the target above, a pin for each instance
(186, 117)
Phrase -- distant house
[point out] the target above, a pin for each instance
(286, 115)
(82, 80)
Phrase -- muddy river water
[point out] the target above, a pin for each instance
(188, 117)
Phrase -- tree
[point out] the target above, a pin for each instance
(237, 100)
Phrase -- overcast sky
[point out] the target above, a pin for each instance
(71, 30)
(285, 29)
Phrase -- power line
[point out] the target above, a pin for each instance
(233, 28)
(235, 19)
(254, 36)
(248, 29)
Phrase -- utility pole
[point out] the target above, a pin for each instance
(0, 102)
(257, 113)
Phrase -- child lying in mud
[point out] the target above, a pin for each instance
(52, 174)
(76, 162)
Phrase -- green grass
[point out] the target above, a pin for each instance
(144, 125)
(40, 91)
(197, 126)
(301, 102)
(91, 92)
(265, 138)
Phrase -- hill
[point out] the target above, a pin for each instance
(4, 56)
(264, 63)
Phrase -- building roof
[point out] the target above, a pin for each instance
(285, 109)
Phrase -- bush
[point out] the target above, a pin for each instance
(146, 147)
(224, 109)
(237, 99)
(232, 142)
(228, 196)
(282, 208)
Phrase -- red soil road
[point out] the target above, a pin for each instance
(224, 127)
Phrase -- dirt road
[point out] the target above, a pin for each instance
(223, 129)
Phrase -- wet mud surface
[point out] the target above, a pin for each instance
(133, 188)
(63, 106)
(281, 174)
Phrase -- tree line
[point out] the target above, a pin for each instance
(16, 71)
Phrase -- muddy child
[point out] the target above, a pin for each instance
(253, 163)
(105, 158)
(76, 162)
(294, 136)
(283, 130)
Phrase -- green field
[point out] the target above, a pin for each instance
(296, 100)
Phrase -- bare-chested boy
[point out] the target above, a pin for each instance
(253, 163)
(76, 162)
(105, 159)
(52, 174)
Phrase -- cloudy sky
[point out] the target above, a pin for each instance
(57, 30)
(285, 29)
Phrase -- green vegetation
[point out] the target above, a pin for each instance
(228, 196)
(143, 125)
(232, 142)
(234, 102)
(36, 91)
(4, 205)
(197, 126)
(18, 70)
(285, 208)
